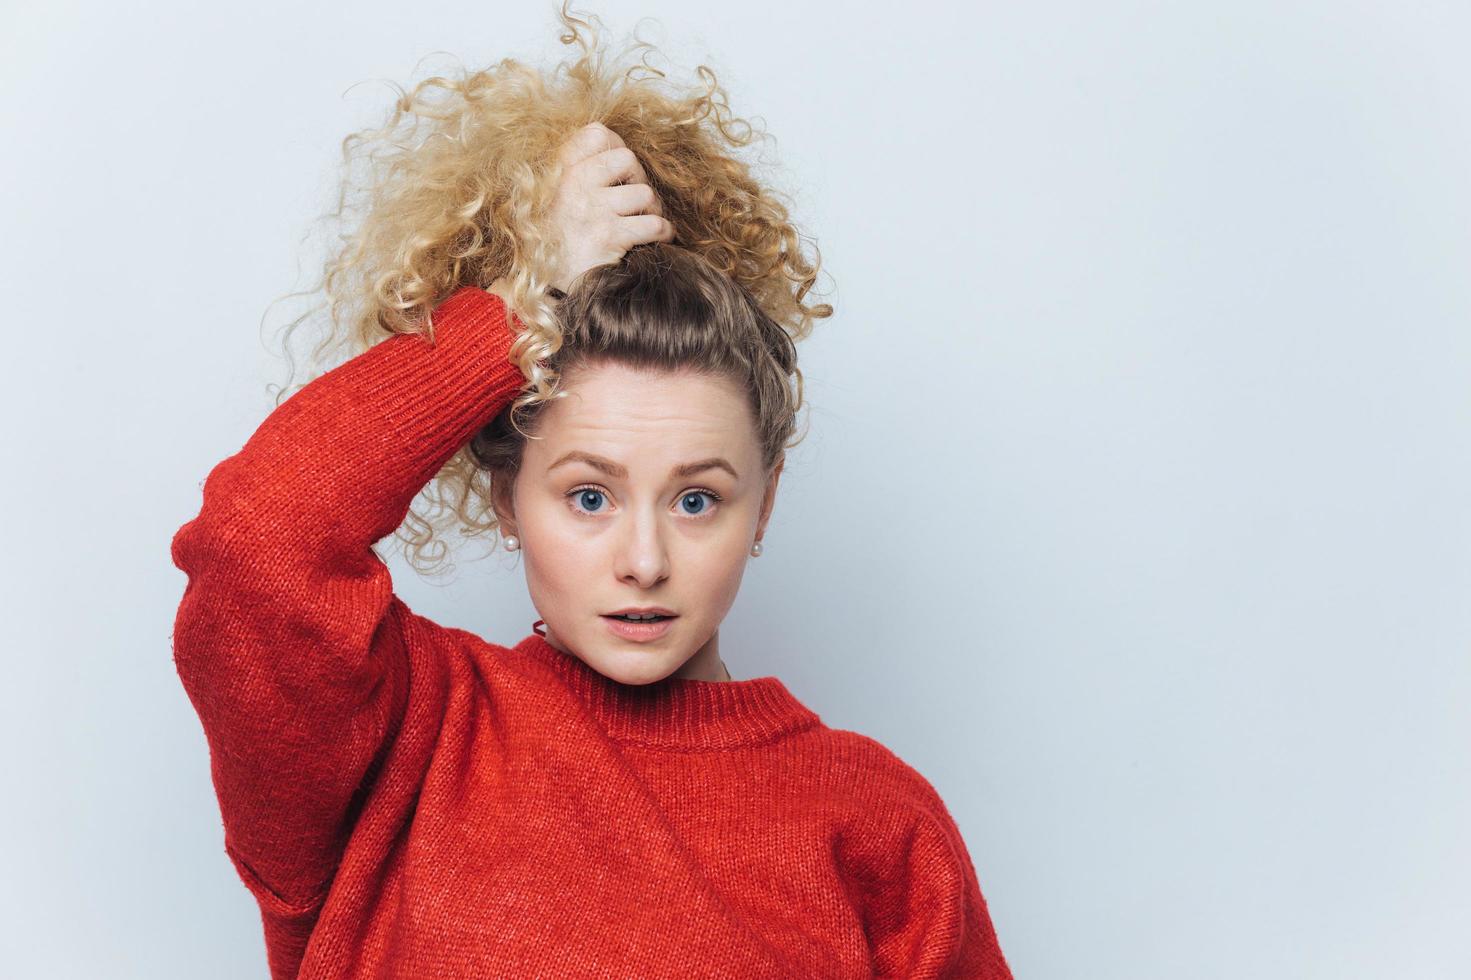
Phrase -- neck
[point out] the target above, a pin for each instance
(706, 664)
(678, 713)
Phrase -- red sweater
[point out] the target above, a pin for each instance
(410, 800)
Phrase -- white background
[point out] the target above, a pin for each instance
(1134, 513)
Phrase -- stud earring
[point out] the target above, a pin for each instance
(756, 550)
(512, 542)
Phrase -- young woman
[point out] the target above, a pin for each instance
(602, 798)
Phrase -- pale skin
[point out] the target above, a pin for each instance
(623, 530)
(603, 205)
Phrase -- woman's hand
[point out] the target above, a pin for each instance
(604, 205)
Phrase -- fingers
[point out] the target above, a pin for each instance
(609, 168)
(640, 228)
(605, 196)
(632, 199)
(585, 142)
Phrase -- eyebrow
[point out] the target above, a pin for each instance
(615, 470)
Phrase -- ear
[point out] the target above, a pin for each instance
(503, 502)
(768, 499)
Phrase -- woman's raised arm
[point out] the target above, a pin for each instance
(288, 639)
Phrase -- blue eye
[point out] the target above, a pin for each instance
(587, 500)
(587, 497)
(695, 495)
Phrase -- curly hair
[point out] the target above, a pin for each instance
(454, 188)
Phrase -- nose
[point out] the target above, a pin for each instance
(642, 557)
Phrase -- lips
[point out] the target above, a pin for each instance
(639, 632)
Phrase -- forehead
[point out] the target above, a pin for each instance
(611, 407)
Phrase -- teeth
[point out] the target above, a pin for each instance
(637, 616)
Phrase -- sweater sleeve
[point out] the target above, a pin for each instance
(924, 913)
(978, 951)
(288, 639)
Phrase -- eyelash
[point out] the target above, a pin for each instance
(570, 495)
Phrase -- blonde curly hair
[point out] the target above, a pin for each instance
(454, 188)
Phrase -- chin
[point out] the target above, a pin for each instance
(634, 665)
(624, 661)
(629, 663)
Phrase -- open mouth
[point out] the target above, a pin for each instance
(638, 629)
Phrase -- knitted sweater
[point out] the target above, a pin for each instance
(410, 800)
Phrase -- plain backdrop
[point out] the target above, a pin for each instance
(1134, 513)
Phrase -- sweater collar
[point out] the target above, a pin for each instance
(679, 712)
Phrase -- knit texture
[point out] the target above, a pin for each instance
(405, 799)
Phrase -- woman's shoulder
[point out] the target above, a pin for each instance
(875, 773)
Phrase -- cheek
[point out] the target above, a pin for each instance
(552, 556)
(543, 519)
(719, 568)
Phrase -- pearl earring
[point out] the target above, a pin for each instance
(756, 550)
(512, 542)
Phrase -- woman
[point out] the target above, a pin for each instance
(601, 798)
